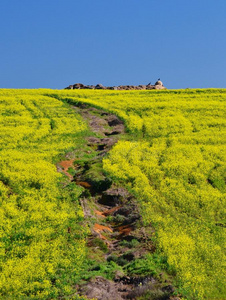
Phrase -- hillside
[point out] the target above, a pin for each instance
(170, 160)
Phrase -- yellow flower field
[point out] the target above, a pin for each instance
(36, 252)
(172, 160)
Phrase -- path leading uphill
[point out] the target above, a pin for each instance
(111, 212)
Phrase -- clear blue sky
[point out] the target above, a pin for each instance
(54, 43)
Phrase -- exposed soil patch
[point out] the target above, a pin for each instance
(117, 235)
(66, 164)
(99, 229)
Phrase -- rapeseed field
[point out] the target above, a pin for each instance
(172, 160)
(37, 255)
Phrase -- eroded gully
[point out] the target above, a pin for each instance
(111, 212)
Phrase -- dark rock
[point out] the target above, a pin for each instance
(131, 219)
(97, 124)
(117, 130)
(78, 86)
(118, 192)
(101, 288)
(112, 88)
(89, 87)
(114, 120)
(98, 183)
(150, 87)
(100, 87)
(108, 142)
(105, 113)
(114, 196)
(168, 289)
(122, 87)
(102, 144)
(128, 256)
(158, 86)
(124, 211)
(143, 87)
(93, 140)
(70, 87)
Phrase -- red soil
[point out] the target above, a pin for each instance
(107, 212)
(100, 228)
(125, 229)
(110, 211)
(85, 184)
(99, 213)
(66, 164)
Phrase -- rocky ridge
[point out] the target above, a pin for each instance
(157, 86)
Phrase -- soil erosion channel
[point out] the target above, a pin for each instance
(117, 236)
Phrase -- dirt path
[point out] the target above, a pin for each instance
(117, 234)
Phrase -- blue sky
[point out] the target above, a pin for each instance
(54, 43)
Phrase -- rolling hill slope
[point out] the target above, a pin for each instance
(172, 159)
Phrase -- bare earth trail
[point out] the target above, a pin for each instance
(111, 212)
